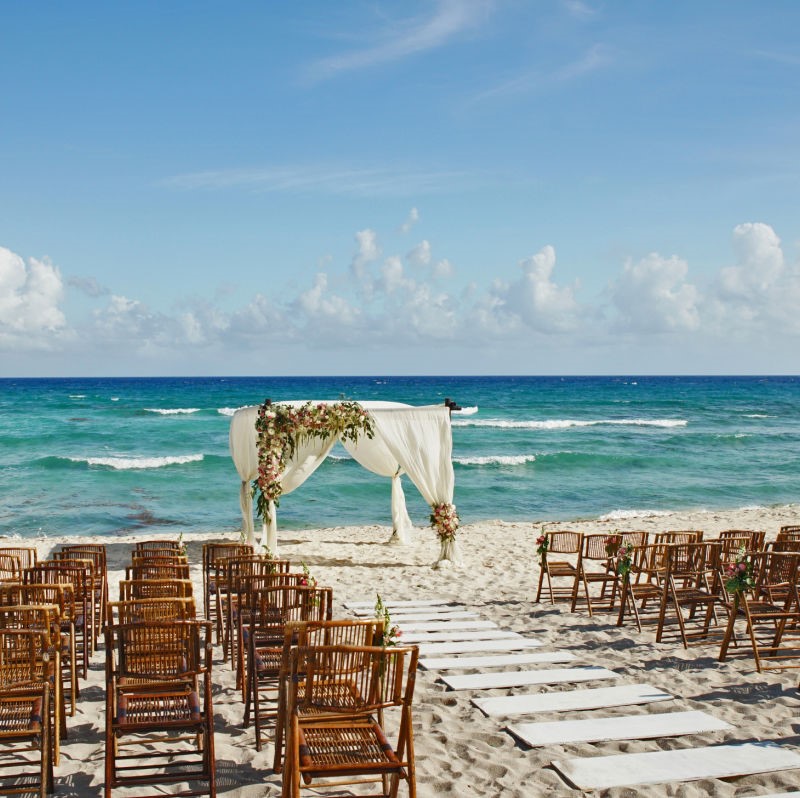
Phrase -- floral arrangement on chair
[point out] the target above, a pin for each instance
(612, 544)
(625, 560)
(391, 633)
(306, 580)
(281, 427)
(444, 520)
(542, 545)
(739, 574)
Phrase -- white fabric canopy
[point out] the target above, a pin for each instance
(412, 440)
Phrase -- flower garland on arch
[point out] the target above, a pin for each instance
(280, 428)
(444, 520)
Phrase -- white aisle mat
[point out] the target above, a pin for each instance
(793, 794)
(591, 698)
(452, 615)
(709, 762)
(443, 637)
(444, 626)
(495, 660)
(625, 727)
(473, 646)
(370, 605)
(492, 681)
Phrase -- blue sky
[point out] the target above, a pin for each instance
(454, 186)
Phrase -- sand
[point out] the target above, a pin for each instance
(460, 752)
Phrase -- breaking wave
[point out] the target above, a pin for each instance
(133, 463)
(503, 460)
(565, 423)
(173, 411)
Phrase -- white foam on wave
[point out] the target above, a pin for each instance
(466, 411)
(624, 515)
(757, 415)
(132, 463)
(228, 411)
(566, 423)
(514, 459)
(77, 396)
(172, 411)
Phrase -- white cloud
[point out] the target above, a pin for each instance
(760, 261)
(367, 252)
(421, 254)
(406, 38)
(411, 220)
(653, 296)
(30, 297)
(443, 269)
(535, 299)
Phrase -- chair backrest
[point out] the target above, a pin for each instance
(23, 658)
(154, 588)
(151, 570)
(774, 570)
(27, 555)
(59, 595)
(10, 567)
(600, 547)
(271, 608)
(173, 650)
(679, 536)
(172, 545)
(635, 538)
(377, 678)
(157, 557)
(788, 533)
(693, 559)
(149, 610)
(564, 541)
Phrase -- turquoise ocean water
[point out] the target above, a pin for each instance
(111, 456)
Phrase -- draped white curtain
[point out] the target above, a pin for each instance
(416, 441)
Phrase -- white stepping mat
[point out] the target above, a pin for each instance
(441, 617)
(473, 646)
(495, 661)
(690, 764)
(492, 681)
(370, 605)
(443, 637)
(591, 698)
(627, 727)
(444, 626)
(793, 794)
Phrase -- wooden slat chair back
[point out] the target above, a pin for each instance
(158, 698)
(789, 532)
(595, 567)
(342, 632)
(754, 539)
(554, 566)
(61, 597)
(213, 554)
(261, 641)
(79, 578)
(771, 611)
(25, 721)
(338, 734)
(151, 570)
(154, 588)
(10, 568)
(692, 581)
(42, 658)
(171, 545)
(150, 610)
(679, 536)
(27, 555)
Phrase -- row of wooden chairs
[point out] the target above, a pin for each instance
(688, 583)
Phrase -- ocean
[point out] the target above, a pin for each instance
(113, 456)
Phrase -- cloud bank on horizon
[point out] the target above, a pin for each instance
(382, 301)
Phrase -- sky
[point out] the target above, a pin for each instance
(425, 187)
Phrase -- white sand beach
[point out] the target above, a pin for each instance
(459, 751)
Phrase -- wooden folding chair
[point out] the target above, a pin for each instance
(336, 722)
(594, 567)
(271, 609)
(10, 568)
(692, 581)
(679, 536)
(771, 611)
(150, 610)
(25, 724)
(27, 555)
(645, 583)
(169, 545)
(159, 715)
(41, 661)
(564, 542)
(96, 556)
(346, 632)
(80, 581)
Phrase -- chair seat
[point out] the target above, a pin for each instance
(169, 708)
(347, 748)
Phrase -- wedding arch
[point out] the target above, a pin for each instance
(277, 446)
